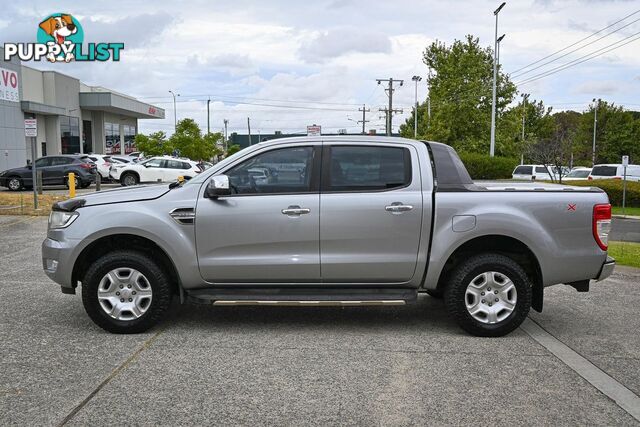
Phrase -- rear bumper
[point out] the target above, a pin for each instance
(607, 269)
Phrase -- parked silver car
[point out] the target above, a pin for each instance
(344, 221)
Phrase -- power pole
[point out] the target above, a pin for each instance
(524, 113)
(226, 122)
(249, 129)
(492, 146)
(364, 118)
(208, 117)
(389, 111)
(595, 127)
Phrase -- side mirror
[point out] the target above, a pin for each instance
(217, 186)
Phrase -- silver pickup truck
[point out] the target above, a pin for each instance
(329, 221)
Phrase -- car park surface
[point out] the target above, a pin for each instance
(369, 365)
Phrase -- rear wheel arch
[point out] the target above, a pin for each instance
(118, 242)
(504, 245)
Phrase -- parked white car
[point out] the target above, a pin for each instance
(615, 171)
(155, 169)
(577, 174)
(103, 163)
(532, 172)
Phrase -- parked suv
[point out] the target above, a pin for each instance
(532, 173)
(155, 169)
(55, 171)
(615, 171)
(349, 221)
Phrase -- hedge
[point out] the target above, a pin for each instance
(613, 188)
(481, 166)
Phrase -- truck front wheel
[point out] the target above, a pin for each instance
(125, 292)
(488, 295)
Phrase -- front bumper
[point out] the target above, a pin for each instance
(607, 269)
(56, 262)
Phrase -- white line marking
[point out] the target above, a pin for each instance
(620, 394)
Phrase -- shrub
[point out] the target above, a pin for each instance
(481, 166)
(613, 188)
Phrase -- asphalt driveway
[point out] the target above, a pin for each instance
(283, 365)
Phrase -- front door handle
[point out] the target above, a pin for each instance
(397, 207)
(295, 210)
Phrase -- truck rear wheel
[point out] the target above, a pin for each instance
(488, 295)
(125, 292)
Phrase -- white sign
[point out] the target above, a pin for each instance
(625, 160)
(314, 130)
(9, 85)
(30, 127)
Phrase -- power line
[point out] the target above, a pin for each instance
(514, 75)
(573, 44)
(231, 99)
(579, 60)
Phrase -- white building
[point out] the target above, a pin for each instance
(71, 116)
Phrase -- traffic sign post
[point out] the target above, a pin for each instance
(31, 131)
(625, 163)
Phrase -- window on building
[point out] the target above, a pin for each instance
(129, 139)
(70, 134)
(112, 138)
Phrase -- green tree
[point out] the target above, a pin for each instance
(538, 124)
(617, 134)
(460, 89)
(189, 141)
(155, 144)
(232, 149)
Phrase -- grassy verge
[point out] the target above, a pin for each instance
(617, 210)
(22, 203)
(625, 253)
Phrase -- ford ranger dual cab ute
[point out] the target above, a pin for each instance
(345, 221)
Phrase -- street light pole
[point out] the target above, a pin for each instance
(492, 148)
(595, 127)
(415, 115)
(524, 113)
(175, 113)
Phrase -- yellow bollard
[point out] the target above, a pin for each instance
(72, 184)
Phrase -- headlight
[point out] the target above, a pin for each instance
(58, 219)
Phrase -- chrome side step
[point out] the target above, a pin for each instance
(309, 303)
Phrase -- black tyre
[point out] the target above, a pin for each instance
(435, 293)
(126, 292)
(14, 183)
(488, 295)
(128, 179)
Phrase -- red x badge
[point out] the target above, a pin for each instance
(571, 207)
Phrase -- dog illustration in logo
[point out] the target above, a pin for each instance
(59, 28)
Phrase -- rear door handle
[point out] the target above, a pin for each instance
(295, 210)
(398, 207)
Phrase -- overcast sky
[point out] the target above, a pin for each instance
(320, 58)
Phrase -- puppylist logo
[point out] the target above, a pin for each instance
(60, 39)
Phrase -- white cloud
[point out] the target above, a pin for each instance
(338, 41)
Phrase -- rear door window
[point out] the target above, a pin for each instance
(604, 171)
(541, 169)
(367, 168)
(523, 170)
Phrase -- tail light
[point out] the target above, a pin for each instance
(86, 165)
(107, 164)
(602, 224)
(590, 178)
